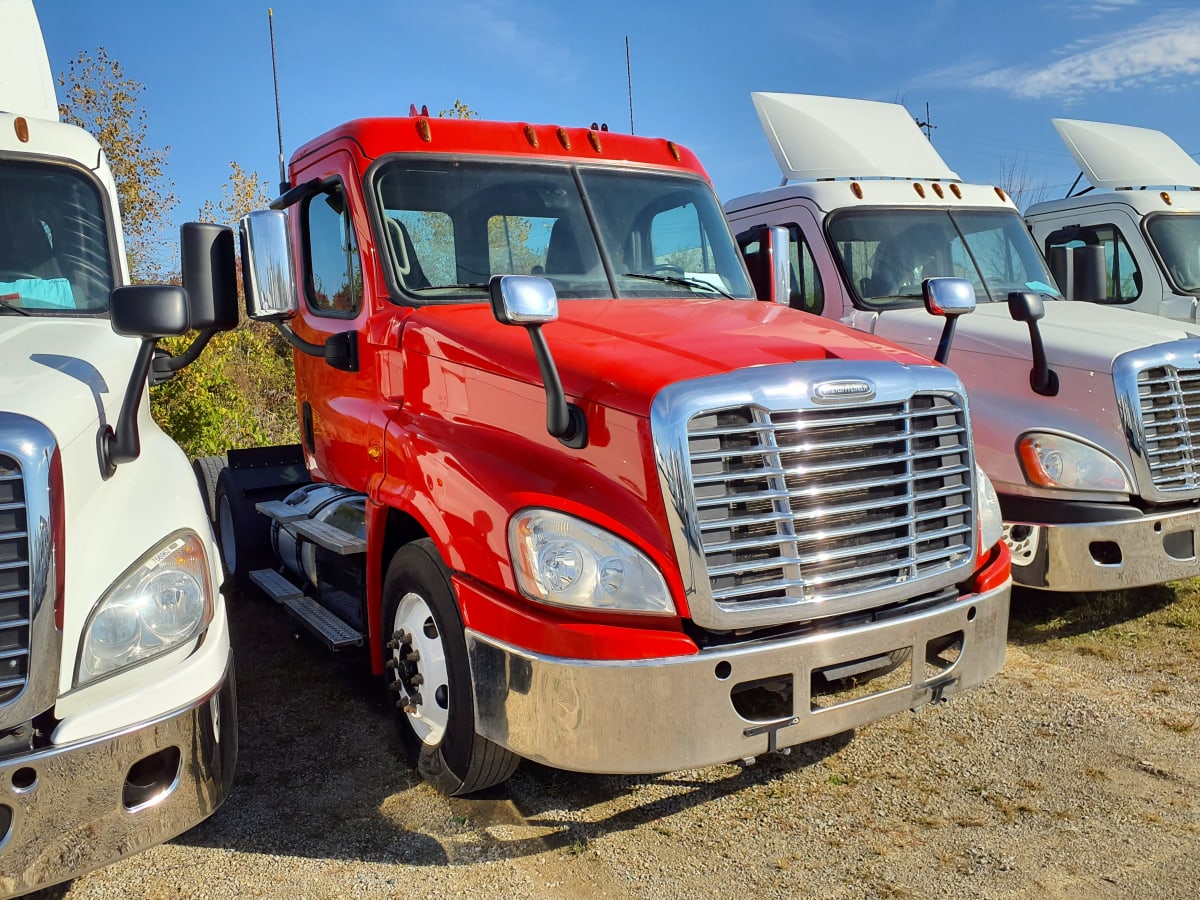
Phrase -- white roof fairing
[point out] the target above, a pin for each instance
(1114, 156)
(26, 85)
(834, 137)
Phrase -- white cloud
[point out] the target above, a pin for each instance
(1160, 53)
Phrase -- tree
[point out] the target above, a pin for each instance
(1020, 184)
(241, 391)
(459, 110)
(101, 99)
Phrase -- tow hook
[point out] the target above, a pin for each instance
(771, 730)
(937, 690)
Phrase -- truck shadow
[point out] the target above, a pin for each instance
(321, 772)
(1040, 616)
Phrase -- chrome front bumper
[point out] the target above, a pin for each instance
(70, 809)
(662, 715)
(1106, 556)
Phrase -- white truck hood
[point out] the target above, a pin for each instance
(1076, 335)
(66, 373)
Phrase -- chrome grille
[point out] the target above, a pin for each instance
(1168, 399)
(15, 598)
(818, 504)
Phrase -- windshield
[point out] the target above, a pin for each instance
(886, 254)
(1176, 236)
(593, 232)
(54, 250)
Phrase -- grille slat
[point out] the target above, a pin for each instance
(812, 505)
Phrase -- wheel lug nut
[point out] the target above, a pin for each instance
(417, 679)
(414, 656)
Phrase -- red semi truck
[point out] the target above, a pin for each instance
(580, 497)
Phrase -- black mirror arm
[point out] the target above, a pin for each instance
(165, 366)
(564, 420)
(124, 444)
(1042, 379)
(943, 350)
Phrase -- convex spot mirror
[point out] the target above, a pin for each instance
(149, 311)
(948, 296)
(267, 272)
(523, 299)
(1026, 306)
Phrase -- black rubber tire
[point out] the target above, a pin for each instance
(243, 536)
(460, 761)
(208, 470)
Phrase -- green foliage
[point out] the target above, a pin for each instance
(239, 393)
(459, 110)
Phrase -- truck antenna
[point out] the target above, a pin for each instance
(927, 126)
(629, 81)
(283, 179)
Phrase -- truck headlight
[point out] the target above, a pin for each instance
(565, 561)
(161, 601)
(1057, 461)
(987, 504)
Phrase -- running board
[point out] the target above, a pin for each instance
(335, 633)
(330, 537)
(275, 586)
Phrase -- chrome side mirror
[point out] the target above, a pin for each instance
(949, 298)
(523, 300)
(267, 273)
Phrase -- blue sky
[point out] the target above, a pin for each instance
(992, 73)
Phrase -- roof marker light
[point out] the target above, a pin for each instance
(1166, 198)
(955, 191)
(1000, 193)
(920, 189)
(594, 140)
(22, 128)
(424, 131)
(937, 189)
(856, 189)
(674, 150)
(531, 136)
(564, 138)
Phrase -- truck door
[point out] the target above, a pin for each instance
(334, 405)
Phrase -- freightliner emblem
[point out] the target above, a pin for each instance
(856, 389)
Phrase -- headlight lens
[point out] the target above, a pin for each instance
(987, 504)
(565, 561)
(1056, 461)
(162, 601)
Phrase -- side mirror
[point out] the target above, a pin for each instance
(530, 301)
(523, 300)
(149, 312)
(949, 298)
(765, 252)
(267, 272)
(1027, 307)
(209, 275)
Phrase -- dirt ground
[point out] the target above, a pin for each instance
(1074, 773)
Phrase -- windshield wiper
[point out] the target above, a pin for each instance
(683, 282)
(6, 304)
(479, 286)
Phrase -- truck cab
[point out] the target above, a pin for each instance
(1131, 238)
(117, 710)
(566, 471)
(1073, 405)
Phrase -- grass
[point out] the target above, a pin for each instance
(1106, 624)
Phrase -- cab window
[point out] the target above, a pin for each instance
(332, 264)
(1122, 278)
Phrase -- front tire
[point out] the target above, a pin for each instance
(243, 536)
(430, 677)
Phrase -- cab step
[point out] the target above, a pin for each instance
(282, 512)
(275, 586)
(330, 537)
(335, 633)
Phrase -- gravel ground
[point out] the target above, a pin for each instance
(1074, 773)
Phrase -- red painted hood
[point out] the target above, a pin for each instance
(620, 353)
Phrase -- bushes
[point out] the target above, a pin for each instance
(240, 392)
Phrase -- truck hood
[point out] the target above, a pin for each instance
(1076, 335)
(70, 374)
(620, 353)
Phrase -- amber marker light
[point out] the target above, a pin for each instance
(22, 129)
(531, 136)
(1166, 198)
(594, 140)
(424, 131)
(955, 191)
(1000, 193)
(937, 189)
(920, 189)
(674, 150)
(564, 138)
(856, 189)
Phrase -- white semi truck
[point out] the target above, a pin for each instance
(117, 712)
(1082, 412)
(1131, 238)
